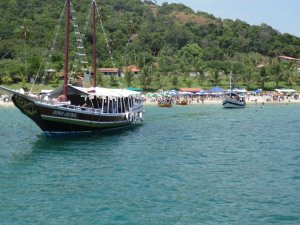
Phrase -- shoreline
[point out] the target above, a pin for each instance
(206, 102)
(7, 104)
(249, 102)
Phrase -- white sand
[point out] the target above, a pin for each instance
(251, 100)
(6, 104)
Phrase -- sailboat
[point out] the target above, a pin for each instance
(75, 110)
(233, 99)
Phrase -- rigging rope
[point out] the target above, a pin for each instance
(105, 36)
(53, 46)
(52, 43)
(81, 54)
(79, 37)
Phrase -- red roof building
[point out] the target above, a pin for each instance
(118, 72)
(133, 69)
(193, 90)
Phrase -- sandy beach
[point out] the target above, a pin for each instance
(6, 104)
(261, 100)
(251, 100)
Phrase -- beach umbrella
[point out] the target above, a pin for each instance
(173, 93)
(257, 91)
(186, 93)
(201, 93)
(216, 90)
(240, 90)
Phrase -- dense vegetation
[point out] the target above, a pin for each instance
(168, 42)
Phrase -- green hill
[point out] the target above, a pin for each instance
(167, 42)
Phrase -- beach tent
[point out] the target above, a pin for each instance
(285, 91)
(216, 90)
(239, 90)
(201, 93)
(186, 93)
(173, 93)
(257, 91)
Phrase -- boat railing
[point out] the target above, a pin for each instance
(102, 111)
(137, 105)
(83, 108)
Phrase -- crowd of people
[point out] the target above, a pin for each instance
(263, 97)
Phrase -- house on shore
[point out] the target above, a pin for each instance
(119, 72)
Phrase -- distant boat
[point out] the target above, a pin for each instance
(72, 109)
(165, 103)
(233, 100)
(182, 102)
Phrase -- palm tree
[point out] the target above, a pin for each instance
(262, 77)
(146, 76)
(156, 43)
(174, 81)
(275, 71)
(24, 33)
(214, 77)
(248, 76)
(289, 73)
(25, 30)
(128, 78)
(133, 25)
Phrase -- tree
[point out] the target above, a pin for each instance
(275, 71)
(24, 33)
(6, 79)
(174, 81)
(262, 77)
(248, 76)
(191, 54)
(146, 76)
(100, 80)
(128, 78)
(158, 79)
(113, 81)
(289, 73)
(214, 77)
(156, 43)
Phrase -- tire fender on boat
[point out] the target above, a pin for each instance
(141, 116)
(129, 117)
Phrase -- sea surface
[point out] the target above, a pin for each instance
(197, 164)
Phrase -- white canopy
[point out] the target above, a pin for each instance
(103, 92)
(121, 93)
(285, 90)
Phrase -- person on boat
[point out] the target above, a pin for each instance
(87, 103)
(62, 98)
(95, 102)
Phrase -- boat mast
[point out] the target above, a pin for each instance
(67, 49)
(230, 75)
(94, 43)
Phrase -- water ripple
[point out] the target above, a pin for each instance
(185, 165)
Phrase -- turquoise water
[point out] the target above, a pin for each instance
(197, 164)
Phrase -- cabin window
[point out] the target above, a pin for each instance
(117, 108)
(120, 108)
(103, 101)
(106, 105)
(126, 104)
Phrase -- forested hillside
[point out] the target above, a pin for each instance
(167, 42)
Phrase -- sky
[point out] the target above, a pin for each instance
(282, 15)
